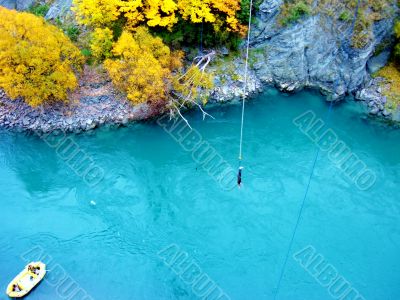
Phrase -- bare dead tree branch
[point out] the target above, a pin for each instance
(180, 114)
(201, 64)
(180, 100)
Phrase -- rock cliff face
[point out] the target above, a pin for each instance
(59, 9)
(17, 4)
(316, 52)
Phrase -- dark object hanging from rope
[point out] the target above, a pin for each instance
(244, 97)
(239, 177)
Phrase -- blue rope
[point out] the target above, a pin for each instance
(301, 210)
(311, 175)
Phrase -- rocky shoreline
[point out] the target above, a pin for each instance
(96, 104)
(372, 95)
(91, 112)
(111, 109)
(314, 53)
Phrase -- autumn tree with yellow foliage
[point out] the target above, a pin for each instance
(96, 13)
(142, 65)
(101, 43)
(37, 61)
(216, 12)
(163, 13)
(148, 71)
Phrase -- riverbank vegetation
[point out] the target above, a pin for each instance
(37, 61)
(148, 71)
(391, 88)
(138, 43)
(391, 73)
(180, 23)
(151, 50)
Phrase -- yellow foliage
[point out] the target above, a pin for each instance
(229, 8)
(187, 85)
(132, 11)
(144, 66)
(210, 11)
(161, 13)
(155, 46)
(98, 13)
(147, 71)
(196, 11)
(101, 43)
(37, 60)
(392, 92)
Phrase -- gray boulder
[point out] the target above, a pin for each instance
(59, 9)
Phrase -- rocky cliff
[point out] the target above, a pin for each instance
(316, 51)
(58, 8)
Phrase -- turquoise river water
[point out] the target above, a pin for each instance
(157, 210)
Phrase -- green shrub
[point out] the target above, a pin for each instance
(244, 12)
(88, 56)
(39, 9)
(86, 52)
(198, 35)
(345, 16)
(292, 12)
(117, 27)
(73, 32)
